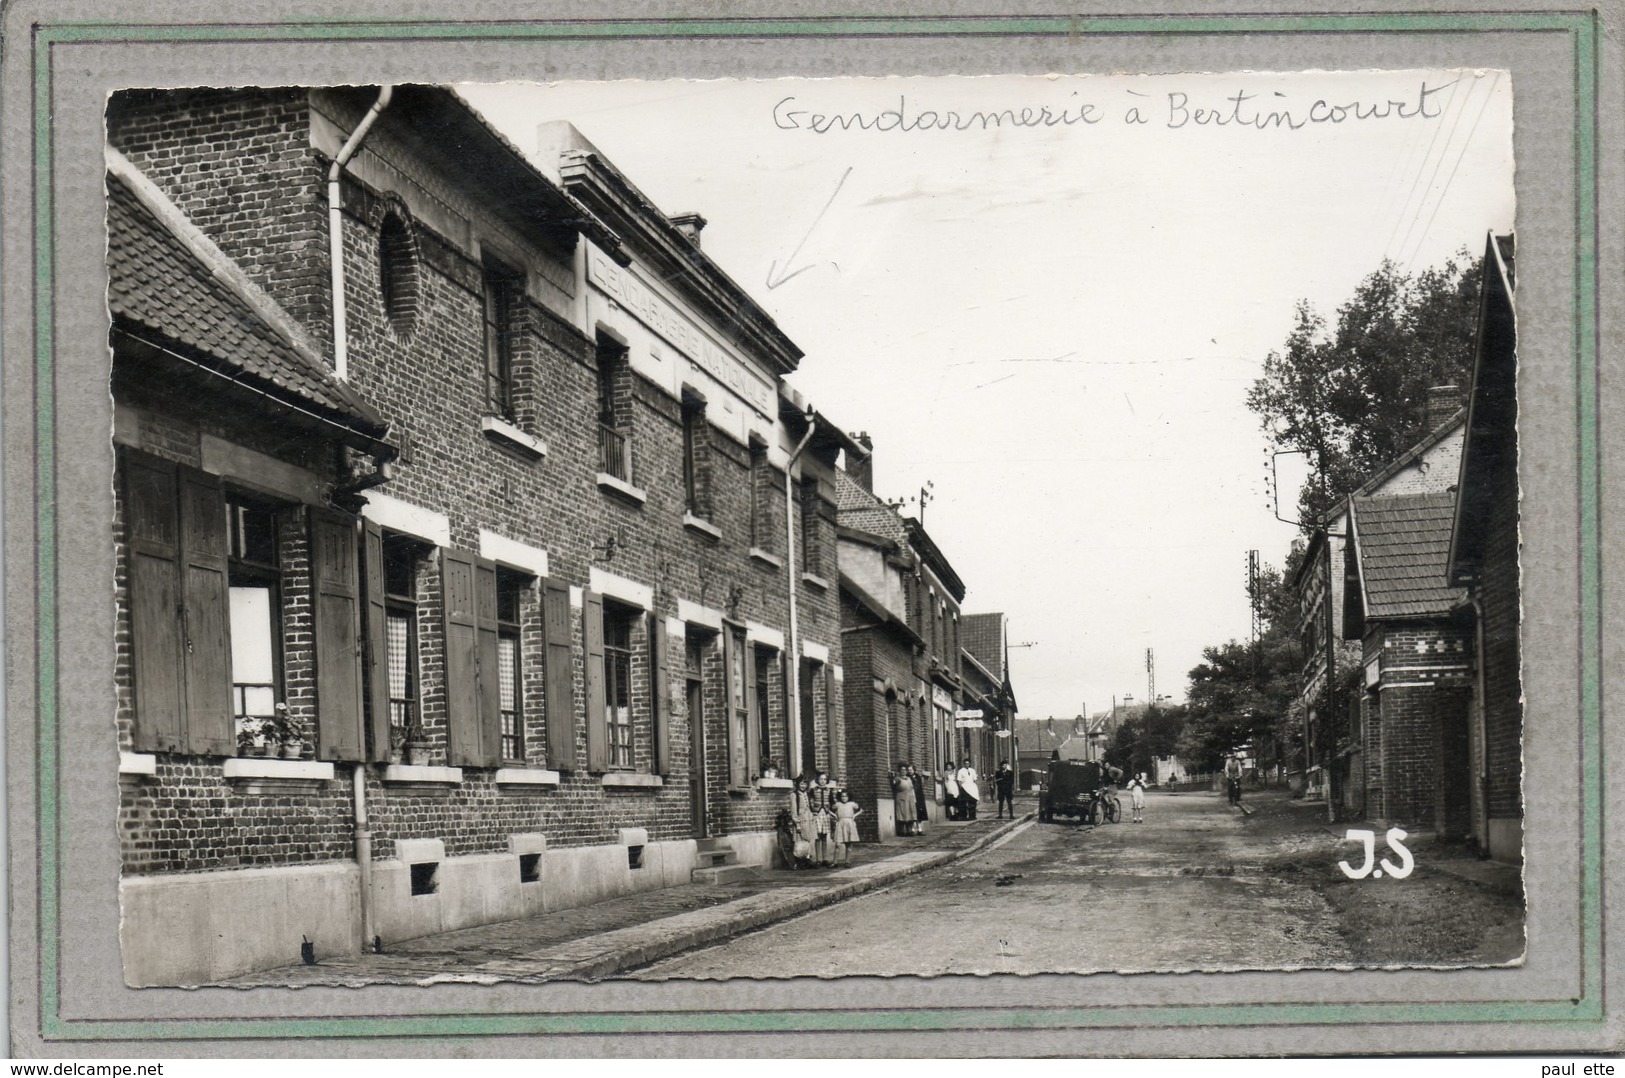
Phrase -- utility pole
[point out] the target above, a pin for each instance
(1150, 676)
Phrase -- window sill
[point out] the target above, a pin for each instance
(411, 773)
(264, 767)
(507, 436)
(526, 776)
(813, 580)
(137, 763)
(703, 526)
(630, 780)
(775, 784)
(758, 554)
(610, 484)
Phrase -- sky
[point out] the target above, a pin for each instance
(1053, 316)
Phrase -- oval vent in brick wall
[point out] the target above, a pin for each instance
(398, 273)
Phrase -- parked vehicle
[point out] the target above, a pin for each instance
(1077, 790)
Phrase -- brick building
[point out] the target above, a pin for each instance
(902, 648)
(987, 689)
(1408, 717)
(1483, 557)
(481, 570)
(1334, 756)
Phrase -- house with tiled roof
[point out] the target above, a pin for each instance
(1409, 713)
(473, 556)
(1332, 753)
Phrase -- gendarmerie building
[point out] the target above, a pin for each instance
(474, 559)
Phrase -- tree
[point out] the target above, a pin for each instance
(1243, 692)
(1142, 737)
(1356, 398)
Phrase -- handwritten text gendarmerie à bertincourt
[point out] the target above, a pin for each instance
(1175, 110)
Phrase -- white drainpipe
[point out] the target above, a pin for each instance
(793, 659)
(341, 368)
(335, 235)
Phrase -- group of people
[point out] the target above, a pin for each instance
(961, 794)
(826, 821)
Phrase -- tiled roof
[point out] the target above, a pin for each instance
(160, 289)
(1402, 542)
(859, 509)
(982, 635)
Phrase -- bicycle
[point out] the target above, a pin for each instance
(1104, 807)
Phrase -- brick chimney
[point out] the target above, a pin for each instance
(690, 225)
(862, 471)
(1443, 402)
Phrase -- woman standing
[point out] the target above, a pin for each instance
(950, 791)
(846, 826)
(902, 789)
(922, 796)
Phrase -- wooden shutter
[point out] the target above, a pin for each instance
(753, 716)
(733, 703)
(206, 598)
(560, 675)
(463, 739)
(335, 585)
(592, 635)
(152, 523)
(837, 736)
(662, 693)
(487, 666)
(376, 642)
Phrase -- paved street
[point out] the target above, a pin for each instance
(1179, 891)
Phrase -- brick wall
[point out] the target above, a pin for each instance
(239, 165)
(1418, 738)
(1503, 689)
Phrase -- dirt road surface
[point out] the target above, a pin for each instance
(1182, 891)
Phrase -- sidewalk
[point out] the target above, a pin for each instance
(599, 940)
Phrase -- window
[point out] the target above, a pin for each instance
(696, 457)
(503, 288)
(765, 738)
(256, 615)
(401, 636)
(812, 551)
(761, 480)
(510, 590)
(618, 683)
(613, 410)
(206, 616)
(398, 272)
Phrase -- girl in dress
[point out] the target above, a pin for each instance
(1136, 793)
(806, 826)
(821, 798)
(902, 789)
(846, 826)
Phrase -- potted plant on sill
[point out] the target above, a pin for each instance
(284, 734)
(417, 746)
(770, 769)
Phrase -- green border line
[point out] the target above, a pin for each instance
(1584, 1011)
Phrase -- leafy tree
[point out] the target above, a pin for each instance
(1245, 692)
(1354, 398)
(1152, 732)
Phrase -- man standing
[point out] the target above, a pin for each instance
(1004, 781)
(970, 794)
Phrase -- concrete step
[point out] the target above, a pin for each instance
(715, 852)
(723, 874)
